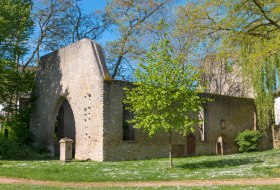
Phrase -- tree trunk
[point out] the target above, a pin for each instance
(116, 69)
(170, 150)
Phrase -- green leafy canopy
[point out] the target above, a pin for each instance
(166, 92)
(16, 81)
(249, 32)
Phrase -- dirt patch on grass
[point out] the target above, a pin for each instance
(259, 181)
(276, 170)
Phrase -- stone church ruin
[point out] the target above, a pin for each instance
(75, 100)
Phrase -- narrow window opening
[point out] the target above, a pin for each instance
(128, 130)
(203, 117)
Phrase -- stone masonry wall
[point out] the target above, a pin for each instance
(75, 73)
(237, 114)
(115, 148)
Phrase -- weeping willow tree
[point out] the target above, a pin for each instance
(262, 72)
(248, 30)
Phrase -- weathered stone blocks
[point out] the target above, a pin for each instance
(77, 74)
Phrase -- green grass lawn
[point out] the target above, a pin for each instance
(29, 187)
(247, 165)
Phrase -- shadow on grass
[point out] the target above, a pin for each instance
(219, 163)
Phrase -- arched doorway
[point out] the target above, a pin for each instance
(221, 145)
(64, 126)
(191, 144)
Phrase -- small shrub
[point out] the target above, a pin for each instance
(18, 126)
(248, 140)
(10, 149)
(13, 150)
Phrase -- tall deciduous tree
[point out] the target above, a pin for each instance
(250, 31)
(131, 21)
(15, 81)
(64, 22)
(166, 93)
(16, 28)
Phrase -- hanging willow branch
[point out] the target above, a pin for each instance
(263, 75)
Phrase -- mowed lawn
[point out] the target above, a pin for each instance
(214, 187)
(248, 165)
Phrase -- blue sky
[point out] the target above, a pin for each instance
(90, 6)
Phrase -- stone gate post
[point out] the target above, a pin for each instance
(65, 149)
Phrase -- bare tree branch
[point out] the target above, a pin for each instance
(265, 15)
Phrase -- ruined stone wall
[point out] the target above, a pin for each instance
(75, 73)
(236, 113)
(115, 148)
(222, 76)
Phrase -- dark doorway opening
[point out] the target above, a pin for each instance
(191, 144)
(64, 127)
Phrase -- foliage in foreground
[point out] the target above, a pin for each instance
(11, 149)
(248, 140)
(16, 80)
(166, 93)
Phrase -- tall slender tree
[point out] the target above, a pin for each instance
(166, 93)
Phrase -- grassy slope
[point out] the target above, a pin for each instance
(248, 165)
